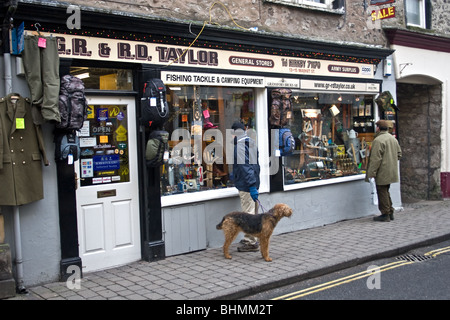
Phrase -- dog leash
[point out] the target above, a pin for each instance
(260, 205)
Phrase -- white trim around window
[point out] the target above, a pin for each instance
(308, 4)
(415, 13)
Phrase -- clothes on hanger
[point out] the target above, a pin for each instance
(41, 64)
(21, 151)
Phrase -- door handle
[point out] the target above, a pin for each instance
(76, 180)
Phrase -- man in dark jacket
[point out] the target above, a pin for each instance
(246, 177)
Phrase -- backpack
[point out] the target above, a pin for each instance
(386, 101)
(281, 107)
(154, 107)
(72, 103)
(287, 142)
(157, 145)
(67, 143)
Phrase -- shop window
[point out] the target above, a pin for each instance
(333, 133)
(104, 78)
(199, 140)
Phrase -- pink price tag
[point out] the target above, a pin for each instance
(42, 43)
(206, 114)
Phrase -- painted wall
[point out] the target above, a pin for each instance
(39, 221)
(421, 66)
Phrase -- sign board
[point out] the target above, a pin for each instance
(82, 47)
(339, 86)
(383, 13)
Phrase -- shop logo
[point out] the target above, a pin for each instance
(74, 20)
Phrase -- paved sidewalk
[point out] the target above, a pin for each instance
(297, 255)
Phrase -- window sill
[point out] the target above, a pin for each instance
(339, 11)
(318, 183)
(188, 197)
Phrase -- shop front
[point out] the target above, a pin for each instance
(331, 116)
(113, 209)
(333, 124)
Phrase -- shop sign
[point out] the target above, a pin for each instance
(106, 162)
(340, 86)
(282, 83)
(82, 47)
(225, 80)
(383, 13)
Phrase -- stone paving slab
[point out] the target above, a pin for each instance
(206, 275)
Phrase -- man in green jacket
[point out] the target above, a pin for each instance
(383, 167)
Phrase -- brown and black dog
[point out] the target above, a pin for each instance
(258, 225)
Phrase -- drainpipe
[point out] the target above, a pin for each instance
(8, 89)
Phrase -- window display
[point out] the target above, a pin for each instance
(198, 123)
(332, 134)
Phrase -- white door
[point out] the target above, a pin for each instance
(107, 193)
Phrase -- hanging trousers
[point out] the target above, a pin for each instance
(42, 73)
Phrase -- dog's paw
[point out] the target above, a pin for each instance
(268, 259)
(227, 256)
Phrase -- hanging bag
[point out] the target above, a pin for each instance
(72, 103)
(154, 107)
(156, 152)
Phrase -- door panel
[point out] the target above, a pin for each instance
(93, 228)
(122, 223)
(107, 194)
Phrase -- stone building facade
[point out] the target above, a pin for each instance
(423, 97)
(348, 23)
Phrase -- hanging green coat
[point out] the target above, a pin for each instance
(383, 159)
(21, 151)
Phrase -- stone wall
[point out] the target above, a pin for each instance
(441, 16)
(350, 27)
(420, 112)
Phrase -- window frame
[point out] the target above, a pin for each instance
(327, 5)
(263, 148)
(422, 15)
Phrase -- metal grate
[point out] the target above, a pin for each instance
(414, 257)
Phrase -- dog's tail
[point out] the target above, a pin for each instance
(219, 226)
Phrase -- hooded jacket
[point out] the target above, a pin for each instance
(245, 166)
(383, 159)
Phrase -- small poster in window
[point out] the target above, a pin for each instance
(361, 110)
(87, 169)
(102, 114)
(368, 110)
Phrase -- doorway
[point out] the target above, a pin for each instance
(107, 186)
